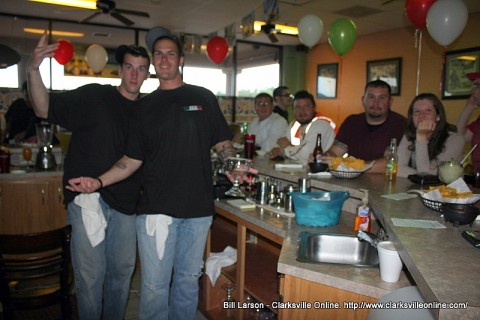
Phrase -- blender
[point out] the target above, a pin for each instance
(45, 157)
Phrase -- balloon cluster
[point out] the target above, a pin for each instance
(341, 34)
(444, 19)
(96, 56)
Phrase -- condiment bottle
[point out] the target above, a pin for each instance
(363, 219)
(391, 163)
(318, 151)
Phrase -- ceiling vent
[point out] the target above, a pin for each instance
(101, 34)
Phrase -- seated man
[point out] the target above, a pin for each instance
(307, 125)
(268, 127)
(367, 135)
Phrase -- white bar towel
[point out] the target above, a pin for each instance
(218, 260)
(157, 224)
(92, 216)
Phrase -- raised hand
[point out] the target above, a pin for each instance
(42, 50)
(425, 129)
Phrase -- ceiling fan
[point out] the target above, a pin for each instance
(271, 12)
(109, 7)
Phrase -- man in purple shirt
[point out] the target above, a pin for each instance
(368, 134)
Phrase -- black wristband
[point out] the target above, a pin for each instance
(101, 183)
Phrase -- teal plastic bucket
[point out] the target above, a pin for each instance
(318, 209)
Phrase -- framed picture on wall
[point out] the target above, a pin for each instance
(388, 70)
(455, 84)
(327, 75)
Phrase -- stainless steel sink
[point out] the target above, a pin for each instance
(315, 247)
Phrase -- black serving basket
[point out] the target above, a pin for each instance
(459, 214)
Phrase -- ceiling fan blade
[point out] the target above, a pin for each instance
(121, 18)
(90, 17)
(133, 12)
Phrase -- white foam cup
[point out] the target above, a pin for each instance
(390, 262)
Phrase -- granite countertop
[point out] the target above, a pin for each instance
(443, 265)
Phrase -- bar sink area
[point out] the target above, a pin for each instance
(317, 247)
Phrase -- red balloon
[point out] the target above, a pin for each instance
(64, 53)
(217, 49)
(417, 11)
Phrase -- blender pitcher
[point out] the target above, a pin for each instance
(45, 157)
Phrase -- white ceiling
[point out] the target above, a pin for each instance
(204, 17)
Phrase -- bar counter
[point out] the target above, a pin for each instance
(444, 266)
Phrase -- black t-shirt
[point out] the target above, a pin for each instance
(172, 132)
(98, 116)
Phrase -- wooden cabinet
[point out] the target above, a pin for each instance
(254, 274)
(31, 204)
(296, 290)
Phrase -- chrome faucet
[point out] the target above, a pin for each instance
(371, 238)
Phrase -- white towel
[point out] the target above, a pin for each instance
(157, 224)
(218, 260)
(92, 216)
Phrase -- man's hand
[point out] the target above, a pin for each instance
(83, 184)
(42, 50)
(275, 152)
(283, 143)
(242, 178)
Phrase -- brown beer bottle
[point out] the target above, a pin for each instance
(318, 151)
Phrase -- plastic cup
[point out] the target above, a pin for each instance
(390, 262)
(249, 145)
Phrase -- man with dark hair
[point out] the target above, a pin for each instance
(171, 137)
(103, 224)
(302, 135)
(282, 99)
(366, 135)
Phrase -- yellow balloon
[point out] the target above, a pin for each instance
(96, 57)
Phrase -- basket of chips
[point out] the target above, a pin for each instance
(348, 168)
(456, 192)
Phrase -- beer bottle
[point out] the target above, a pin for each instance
(391, 163)
(318, 151)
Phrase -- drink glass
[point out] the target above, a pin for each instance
(27, 156)
(237, 167)
(449, 171)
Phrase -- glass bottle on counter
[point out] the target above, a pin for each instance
(391, 163)
(318, 151)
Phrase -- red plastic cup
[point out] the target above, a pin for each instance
(249, 145)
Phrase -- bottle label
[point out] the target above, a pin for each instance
(391, 167)
(363, 211)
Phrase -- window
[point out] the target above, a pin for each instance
(9, 77)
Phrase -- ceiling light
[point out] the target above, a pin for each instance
(279, 28)
(55, 32)
(468, 58)
(86, 4)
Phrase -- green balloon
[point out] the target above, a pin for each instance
(342, 35)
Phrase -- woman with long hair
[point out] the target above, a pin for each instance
(428, 138)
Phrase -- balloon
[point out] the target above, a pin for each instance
(310, 29)
(446, 20)
(417, 10)
(96, 57)
(64, 53)
(217, 49)
(342, 35)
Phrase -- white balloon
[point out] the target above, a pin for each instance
(96, 57)
(310, 29)
(446, 20)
